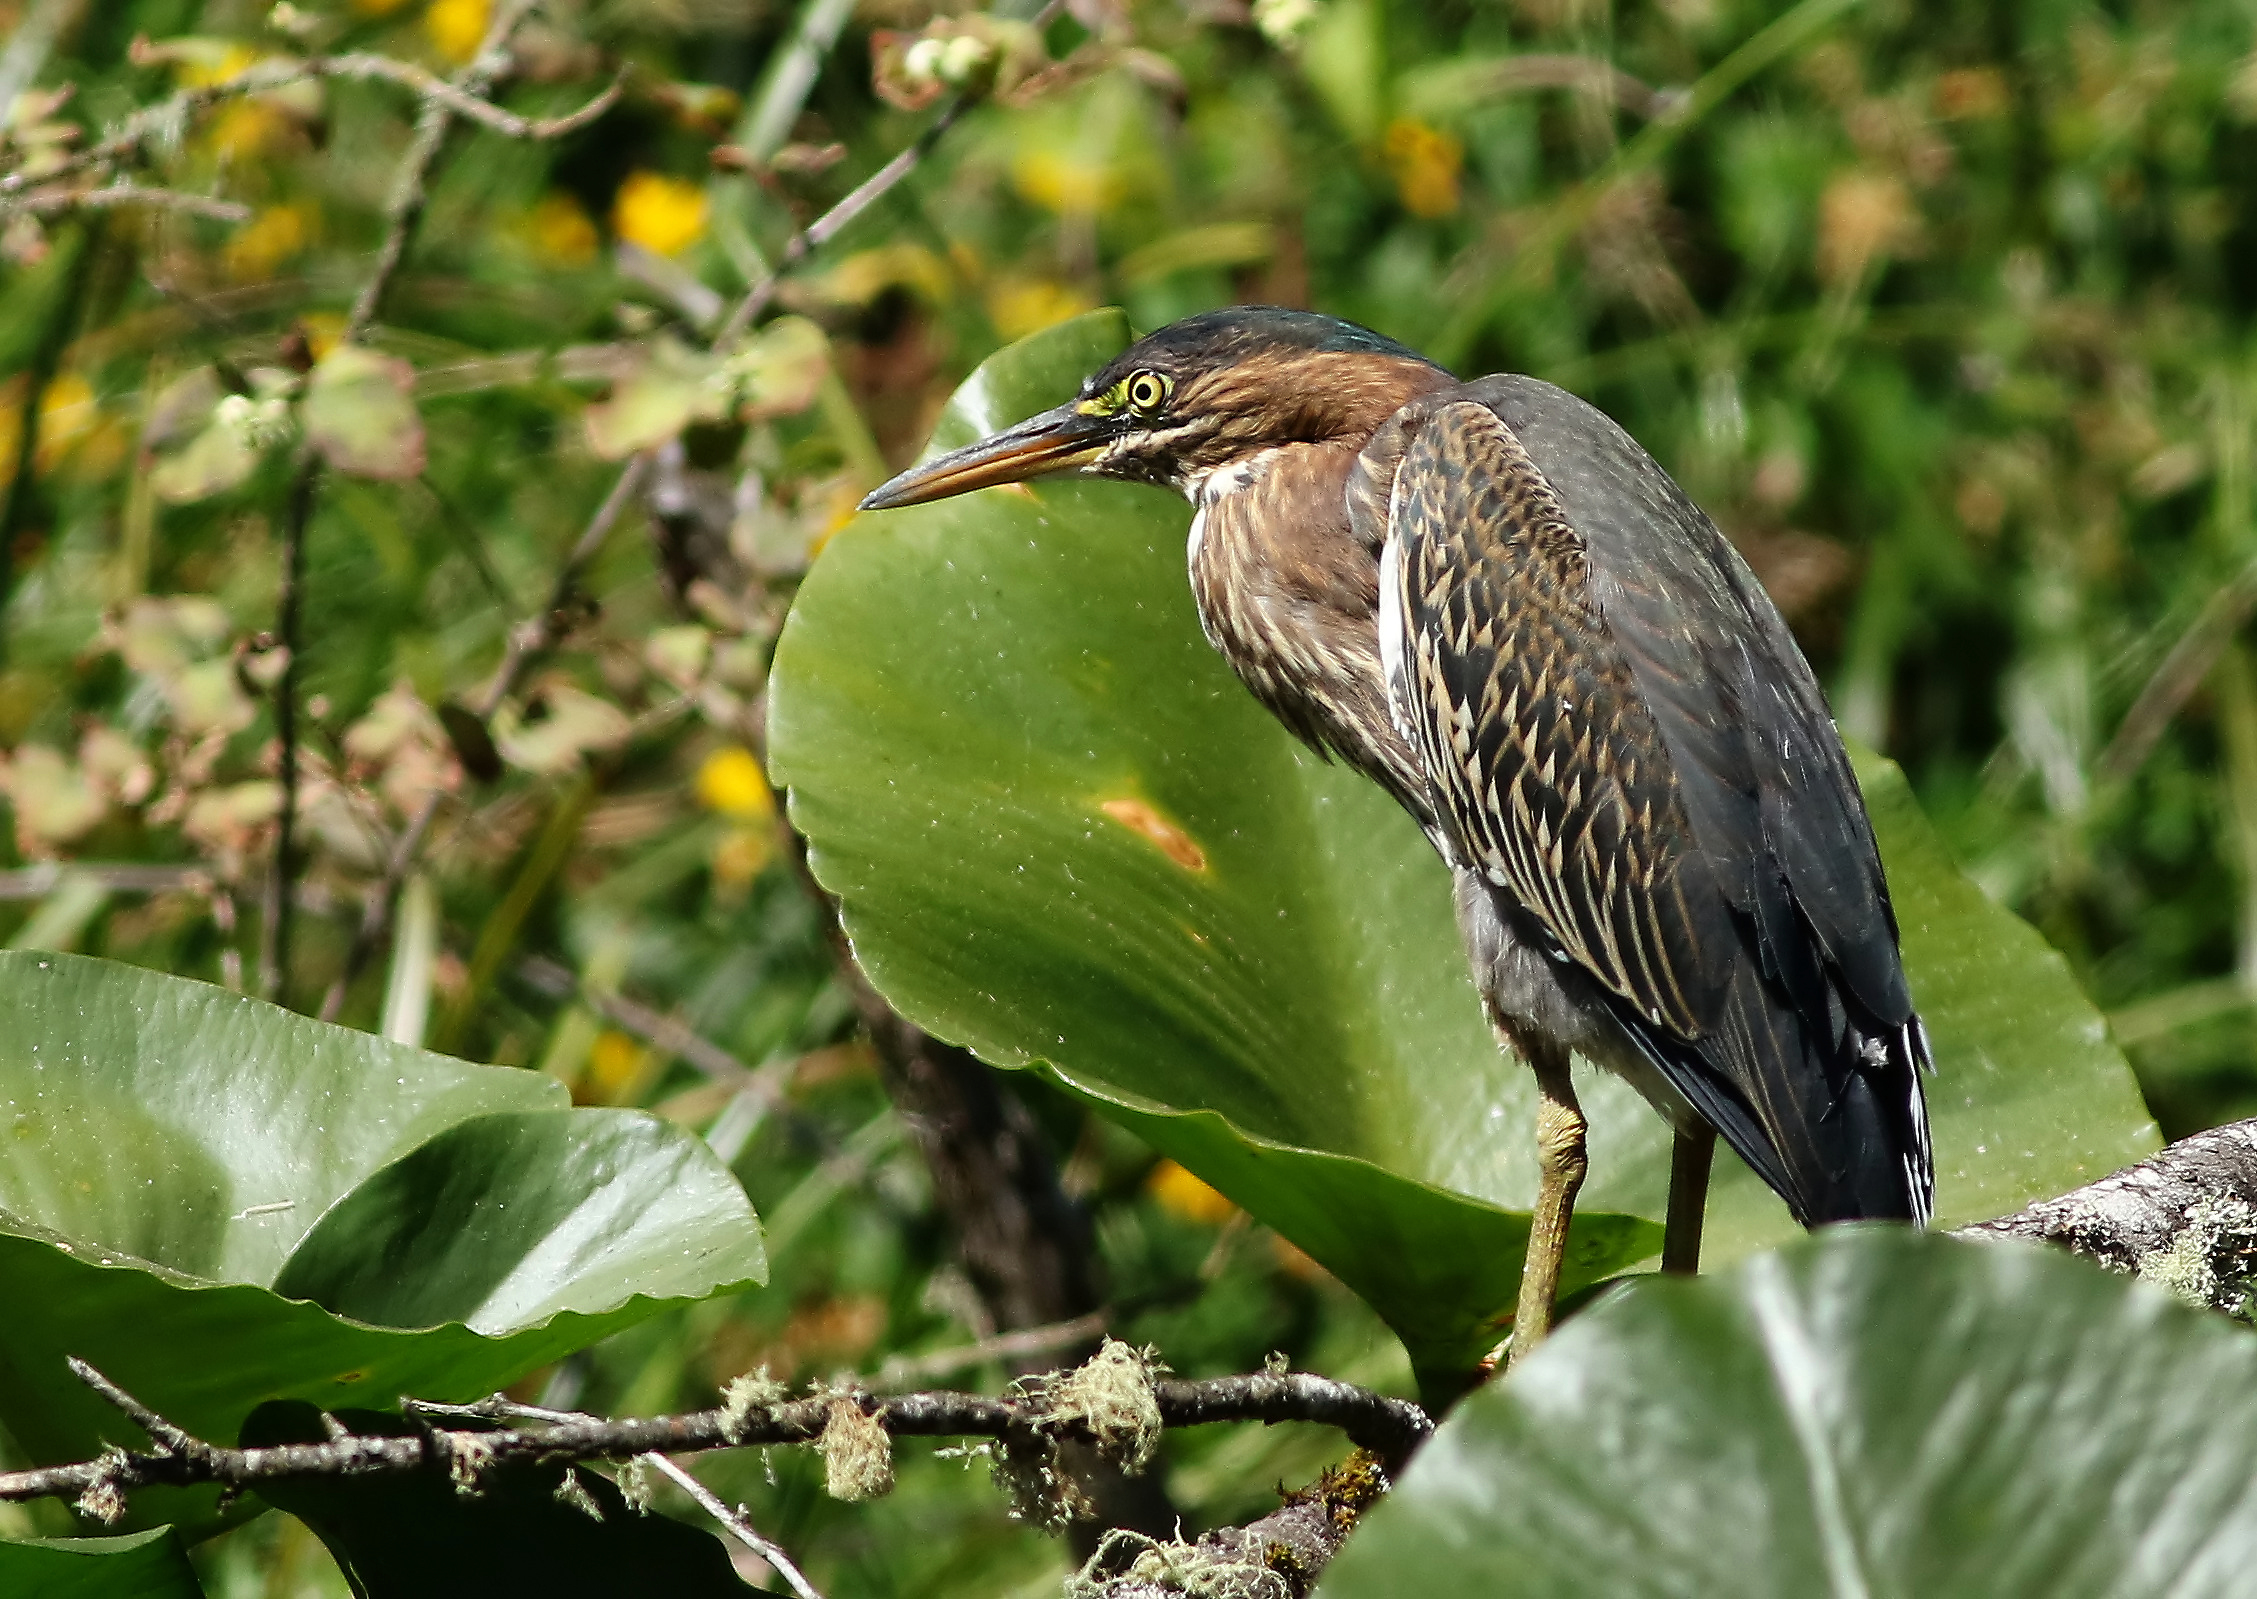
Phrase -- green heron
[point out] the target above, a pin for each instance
(1489, 600)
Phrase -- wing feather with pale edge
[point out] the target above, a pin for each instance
(1622, 738)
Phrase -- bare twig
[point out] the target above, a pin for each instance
(661, 1031)
(169, 1439)
(816, 234)
(52, 201)
(736, 1523)
(37, 882)
(464, 102)
(161, 123)
(1471, 85)
(1390, 1429)
(857, 200)
(405, 206)
(1028, 1342)
(2180, 673)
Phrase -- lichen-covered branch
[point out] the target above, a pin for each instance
(1278, 1556)
(2186, 1217)
(1115, 1402)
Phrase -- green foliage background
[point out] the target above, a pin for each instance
(1941, 310)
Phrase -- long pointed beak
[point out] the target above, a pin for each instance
(1056, 441)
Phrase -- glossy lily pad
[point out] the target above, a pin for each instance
(1869, 1412)
(208, 1198)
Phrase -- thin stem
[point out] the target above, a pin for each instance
(859, 199)
(668, 1033)
(46, 360)
(281, 906)
(736, 1523)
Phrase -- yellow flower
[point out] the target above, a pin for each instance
(266, 241)
(68, 412)
(664, 215)
(1425, 162)
(1020, 306)
(1068, 182)
(458, 27)
(1863, 217)
(836, 507)
(200, 69)
(866, 274)
(1181, 1194)
(559, 229)
(739, 856)
(614, 1062)
(322, 329)
(244, 129)
(732, 783)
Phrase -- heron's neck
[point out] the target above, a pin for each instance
(1289, 594)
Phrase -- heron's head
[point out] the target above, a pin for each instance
(1197, 395)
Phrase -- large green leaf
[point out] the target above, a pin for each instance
(1063, 834)
(1867, 1413)
(565, 1212)
(179, 1159)
(141, 1565)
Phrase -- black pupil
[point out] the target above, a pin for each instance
(1144, 392)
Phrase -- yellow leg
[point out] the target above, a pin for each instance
(1561, 1162)
(1689, 1162)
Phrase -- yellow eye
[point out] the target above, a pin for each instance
(1146, 391)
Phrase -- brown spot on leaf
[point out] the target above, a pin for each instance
(1173, 841)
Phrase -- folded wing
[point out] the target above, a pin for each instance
(1623, 740)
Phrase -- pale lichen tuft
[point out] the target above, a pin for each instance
(468, 1456)
(574, 1492)
(2217, 1226)
(102, 1498)
(1111, 1395)
(744, 1397)
(857, 1452)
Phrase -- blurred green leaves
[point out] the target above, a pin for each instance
(1866, 1412)
(359, 412)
